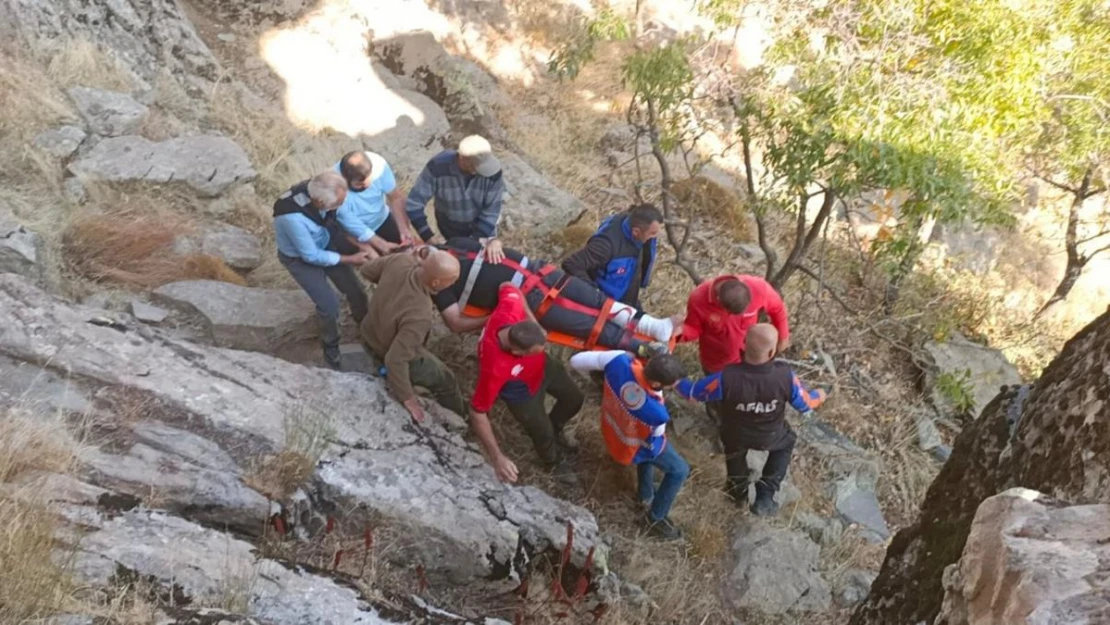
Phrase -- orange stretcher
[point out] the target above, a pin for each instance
(574, 342)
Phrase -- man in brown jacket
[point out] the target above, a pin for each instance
(399, 320)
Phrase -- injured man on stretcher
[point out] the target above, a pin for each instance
(562, 303)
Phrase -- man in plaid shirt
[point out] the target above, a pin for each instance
(467, 187)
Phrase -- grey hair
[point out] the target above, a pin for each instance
(327, 188)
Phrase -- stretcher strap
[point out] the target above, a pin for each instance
(550, 295)
(602, 318)
(472, 276)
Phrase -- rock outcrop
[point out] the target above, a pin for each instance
(977, 369)
(19, 247)
(243, 317)
(194, 429)
(775, 571)
(238, 248)
(109, 113)
(147, 38)
(1053, 438)
(1031, 560)
(60, 142)
(210, 165)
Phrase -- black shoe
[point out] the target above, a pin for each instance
(334, 365)
(764, 504)
(566, 441)
(663, 528)
(565, 472)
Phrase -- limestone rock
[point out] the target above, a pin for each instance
(204, 565)
(244, 317)
(428, 486)
(353, 357)
(928, 436)
(1051, 438)
(853, 585)
(19, 247)
(775, 571)
(985, 370)
(148, 313)
(535, 204)
(208, 164)
(856, 502)
(108, 113)
(75, 190)
(238, 248)
(1029, 560)
(146, 38)
(823, 531)
(38, 389)
(60, 142)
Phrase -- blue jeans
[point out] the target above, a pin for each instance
(675, 471)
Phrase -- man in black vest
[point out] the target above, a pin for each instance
(313, 250)
(753, 395)
(620, 256)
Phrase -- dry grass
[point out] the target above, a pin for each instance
(281, 153)
(131, 245)
(81, 63)
(706, 198)
(308, 432)
(33, 582)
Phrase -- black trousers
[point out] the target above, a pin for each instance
(737, 442)
(578, 323)
(389, 230)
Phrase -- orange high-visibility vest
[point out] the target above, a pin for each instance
(625, 434)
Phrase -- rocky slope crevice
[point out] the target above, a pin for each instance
(1054, 439)
(202, 419)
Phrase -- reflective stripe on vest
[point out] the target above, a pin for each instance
(624, 434)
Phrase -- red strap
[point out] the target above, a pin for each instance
(599, 324)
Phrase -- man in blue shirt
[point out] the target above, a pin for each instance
(373, 201)
(311, 247)
(633, 422)
(467, 187)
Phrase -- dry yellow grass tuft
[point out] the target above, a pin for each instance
(33, 583)
(308, 432)
(80, 62)
(132, 247)
(702, 196)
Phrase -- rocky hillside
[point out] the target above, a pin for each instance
(1050, 437)
(170, 453)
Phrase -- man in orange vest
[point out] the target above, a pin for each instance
(634, 421)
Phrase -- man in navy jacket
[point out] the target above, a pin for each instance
(620, 256)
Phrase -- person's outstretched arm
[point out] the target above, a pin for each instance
(803, 399)
(594, 256)
(594, 361)
(706, 389)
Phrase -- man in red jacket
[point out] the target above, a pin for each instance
(513, 366)
(720, 312)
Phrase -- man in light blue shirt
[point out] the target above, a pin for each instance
(373, 201)
(311, 247)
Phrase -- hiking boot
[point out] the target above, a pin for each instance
(566, 440)
(764, 504)
(663, 528)
(565, 472)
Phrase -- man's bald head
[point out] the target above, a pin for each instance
(760, 343)
(441, 269)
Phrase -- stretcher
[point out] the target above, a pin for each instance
(551, 297)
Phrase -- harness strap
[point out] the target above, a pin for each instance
(599, 323)
(551, 295)
(472, 277)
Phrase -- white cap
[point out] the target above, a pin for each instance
(478, 148)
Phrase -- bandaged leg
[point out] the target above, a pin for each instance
(656, 328)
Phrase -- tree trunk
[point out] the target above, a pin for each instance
(1076, 261)
(904, 268)
(665, 182)
(769, 254)
(803, 239)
